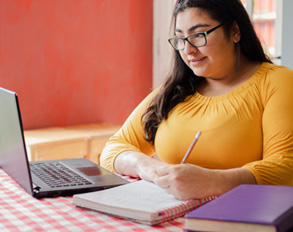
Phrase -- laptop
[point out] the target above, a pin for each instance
(47, 178)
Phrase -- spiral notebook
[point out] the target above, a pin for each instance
(139, 201)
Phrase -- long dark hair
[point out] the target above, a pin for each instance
(182, 83)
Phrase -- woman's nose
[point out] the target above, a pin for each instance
(188, 49)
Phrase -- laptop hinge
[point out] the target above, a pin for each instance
(36, 188)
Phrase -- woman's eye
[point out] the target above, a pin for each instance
(198, 35)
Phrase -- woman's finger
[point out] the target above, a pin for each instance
(162, 181)
(163, 170)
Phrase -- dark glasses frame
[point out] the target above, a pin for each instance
(205, 33)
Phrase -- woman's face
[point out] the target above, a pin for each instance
(218, 57)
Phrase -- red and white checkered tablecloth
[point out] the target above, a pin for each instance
(21, 212)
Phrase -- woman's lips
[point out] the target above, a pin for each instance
(196, 61)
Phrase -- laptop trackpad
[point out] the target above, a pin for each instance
(92, 171)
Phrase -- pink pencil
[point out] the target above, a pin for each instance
(190, 147)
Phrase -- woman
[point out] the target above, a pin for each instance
(223, 85)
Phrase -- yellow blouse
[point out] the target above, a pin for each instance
(250, 127)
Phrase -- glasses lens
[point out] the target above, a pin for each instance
(197, 39)
(177, 43)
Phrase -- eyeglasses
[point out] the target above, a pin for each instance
(197, 39)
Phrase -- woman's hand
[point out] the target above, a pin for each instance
(137, 164)
(147, 168)
(186, 181)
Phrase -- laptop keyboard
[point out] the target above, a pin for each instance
(55, 174)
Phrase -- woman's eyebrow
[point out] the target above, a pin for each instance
(193, 27)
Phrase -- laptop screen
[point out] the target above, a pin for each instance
(13, 157)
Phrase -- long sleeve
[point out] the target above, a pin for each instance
(130, 137)
(276, 166)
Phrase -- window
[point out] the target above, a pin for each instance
(263, 15)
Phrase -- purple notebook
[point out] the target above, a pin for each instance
(255, 204)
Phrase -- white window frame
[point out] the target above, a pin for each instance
(162, 14)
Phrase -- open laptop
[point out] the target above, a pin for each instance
(41, 178)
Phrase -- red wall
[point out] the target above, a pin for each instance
(76, 61)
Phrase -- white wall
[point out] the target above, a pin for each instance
(161, 48)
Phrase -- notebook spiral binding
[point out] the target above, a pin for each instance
(180, 210)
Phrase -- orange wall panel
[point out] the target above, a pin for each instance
(76, 61)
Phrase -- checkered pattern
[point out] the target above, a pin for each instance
(21, 212)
